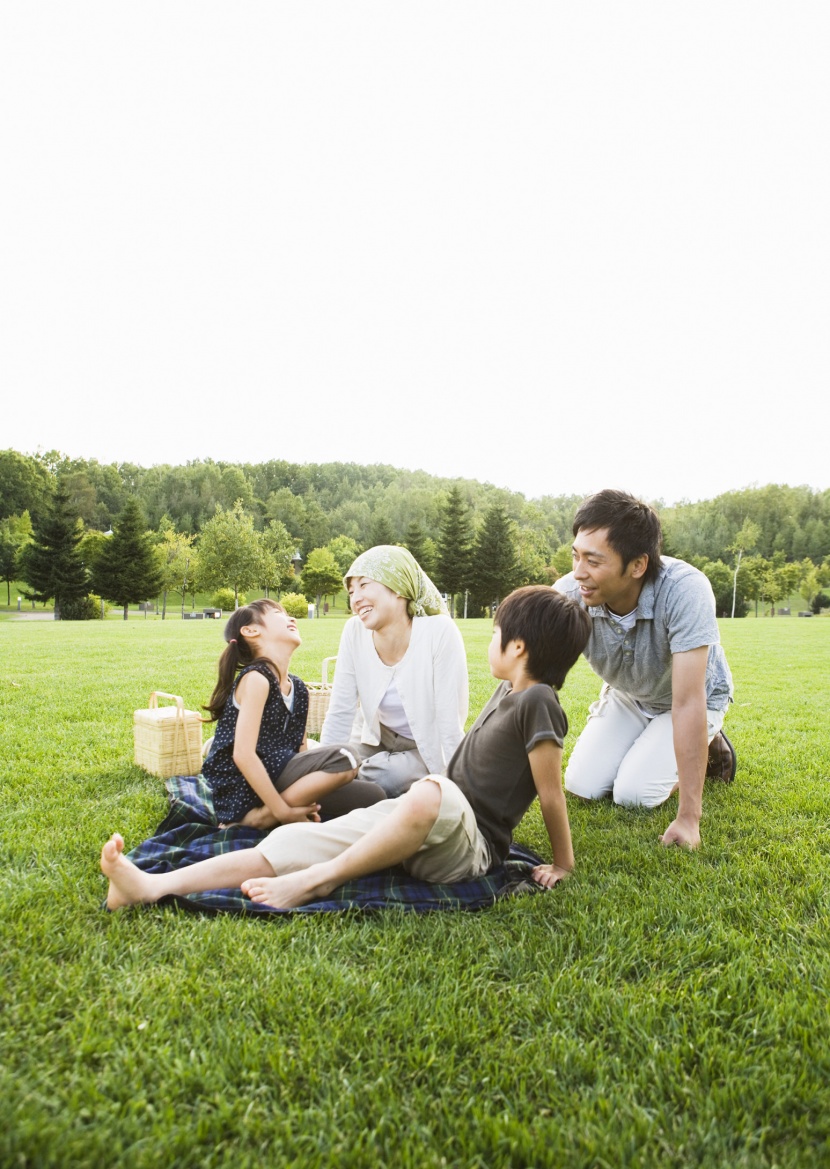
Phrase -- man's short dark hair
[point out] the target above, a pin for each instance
(554, 629)
(633, 527)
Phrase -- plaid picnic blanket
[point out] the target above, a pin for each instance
(189, 834)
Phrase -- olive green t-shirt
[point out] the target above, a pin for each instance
(491, 764)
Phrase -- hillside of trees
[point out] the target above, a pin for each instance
(477, 540)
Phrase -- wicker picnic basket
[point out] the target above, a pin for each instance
(319, 696)
(168, 739)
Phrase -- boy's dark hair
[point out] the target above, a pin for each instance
(238, 654)
(633, 527)
(554, 629)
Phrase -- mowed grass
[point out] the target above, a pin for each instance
(662, 1008)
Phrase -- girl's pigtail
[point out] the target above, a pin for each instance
(229, 665)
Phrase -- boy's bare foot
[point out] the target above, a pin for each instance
(128, 884)
(288, 891)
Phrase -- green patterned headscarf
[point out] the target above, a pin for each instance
(399, 570)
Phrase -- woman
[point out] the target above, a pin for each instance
(400, 689)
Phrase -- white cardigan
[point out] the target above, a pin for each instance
(431, 679)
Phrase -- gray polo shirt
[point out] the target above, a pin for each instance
(675, 613)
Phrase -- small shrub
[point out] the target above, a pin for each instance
(295, 605)
(820, 601)
(224, 599)
(88, 608)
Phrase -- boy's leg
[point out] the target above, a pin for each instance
(648, 774)
(130, 885)
(377, 837)
(614, 725)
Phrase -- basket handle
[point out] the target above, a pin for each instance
(326, 669)
(180, 743)
(157, 694)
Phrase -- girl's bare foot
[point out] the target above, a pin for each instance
(128, 884)
(288, 891)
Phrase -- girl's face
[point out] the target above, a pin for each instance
(375, 605)
(277, 629)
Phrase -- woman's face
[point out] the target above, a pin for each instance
(377, 606)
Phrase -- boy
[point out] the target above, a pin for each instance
(445, 828)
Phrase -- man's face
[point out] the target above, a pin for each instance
(599, 572)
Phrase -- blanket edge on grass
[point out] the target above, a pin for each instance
(190, 833)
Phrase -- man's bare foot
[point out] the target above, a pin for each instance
(288, 891)
(128, 884)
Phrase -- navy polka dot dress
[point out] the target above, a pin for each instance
(280, 738)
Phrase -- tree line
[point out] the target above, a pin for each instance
(75, 528)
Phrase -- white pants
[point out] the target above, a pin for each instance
(624, 752)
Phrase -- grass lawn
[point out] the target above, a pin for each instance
(661, 1009)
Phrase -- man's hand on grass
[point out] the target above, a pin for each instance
(682, 832)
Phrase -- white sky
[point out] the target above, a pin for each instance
(551, 246)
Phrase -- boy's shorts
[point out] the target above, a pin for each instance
(454, 850)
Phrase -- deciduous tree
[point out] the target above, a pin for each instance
(15, 534)
(744, 541)
(321, 575)
(175, 551)
(231, 552)
(280, 547)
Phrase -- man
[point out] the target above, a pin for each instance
(655, 644)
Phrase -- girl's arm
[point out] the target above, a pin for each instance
(251, 695)
(546, 769)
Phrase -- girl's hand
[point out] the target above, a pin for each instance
(257, 818)
(299, 815)
(549, 875)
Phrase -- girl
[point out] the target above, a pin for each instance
(401, 669)
(259, 770)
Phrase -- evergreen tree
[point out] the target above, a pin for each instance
(52, 564)
(414, 541)
(455, 547)
(495, 566)
(381, 531)
(127, 569)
